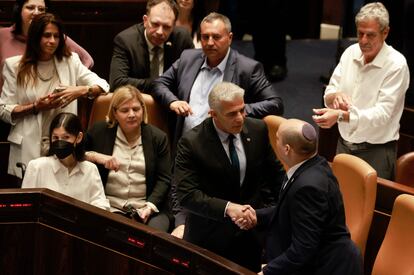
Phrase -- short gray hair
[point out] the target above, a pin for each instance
(213, 16)
(224, 91)
(374, 11)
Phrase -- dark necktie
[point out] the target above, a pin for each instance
(233, 157)
(284, 183)
(155, 63)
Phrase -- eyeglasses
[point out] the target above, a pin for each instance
(32, 8)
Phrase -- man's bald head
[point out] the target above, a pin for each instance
(300, 135)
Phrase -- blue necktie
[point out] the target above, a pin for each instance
(233, 157)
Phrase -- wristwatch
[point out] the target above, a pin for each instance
(90, 94)
(340, 116)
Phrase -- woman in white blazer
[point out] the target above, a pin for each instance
(46, 80)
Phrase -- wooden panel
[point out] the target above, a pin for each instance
(56, 234)
(40, 249)
(91, 23)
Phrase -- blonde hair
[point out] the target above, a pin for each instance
(121, 95)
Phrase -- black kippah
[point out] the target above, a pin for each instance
(308, 132)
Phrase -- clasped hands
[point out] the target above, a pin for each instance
(244, 216)
(62, 96)
(327, 117)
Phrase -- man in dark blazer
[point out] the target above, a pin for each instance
(184, 88)
(306, 232)
(212, 190)
(132, 59)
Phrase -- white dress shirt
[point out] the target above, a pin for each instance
(82, 183)
(377, 92)
(206, 79)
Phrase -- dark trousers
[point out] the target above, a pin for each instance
(382, 157)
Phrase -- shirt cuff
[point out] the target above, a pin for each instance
(6, 113)
(152, 206)
(225, 209)
(353, 118)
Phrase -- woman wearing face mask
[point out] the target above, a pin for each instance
(133, 159)
(65, 170)
(47, 80)
(13, 39)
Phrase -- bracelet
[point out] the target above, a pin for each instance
(90, 94)
(34, 110)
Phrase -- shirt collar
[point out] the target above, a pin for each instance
(149, 44)
(295, 167)
(57, 165)
(224, 137)
(221, 66)
(121, 136)
(378, 61)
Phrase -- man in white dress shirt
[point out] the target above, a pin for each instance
(365, 95)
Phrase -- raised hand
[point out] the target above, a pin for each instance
(341, 101)
(325, 117)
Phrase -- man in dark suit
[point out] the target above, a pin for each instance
(133, 59)
(184, 88)
(220, 178)
(307, 233)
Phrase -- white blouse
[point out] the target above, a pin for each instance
(82, 183)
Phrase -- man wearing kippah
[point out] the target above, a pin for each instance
(307, 233)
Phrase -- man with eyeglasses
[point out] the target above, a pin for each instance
(184, 88)
(143, 51)
(365, 95)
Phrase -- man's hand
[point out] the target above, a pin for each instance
(325, 118)
(181, 108)
(178, 231)
(339, 101)
(243, 216)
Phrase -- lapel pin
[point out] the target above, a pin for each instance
(248, 139)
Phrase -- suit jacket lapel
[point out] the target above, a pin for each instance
(109, 140)
(191, 77)
(216, 148)
(248, 149)
(168, 47)
(142, 44)
(148, 148)
(63, 72)
(230, 67)
(292, 180)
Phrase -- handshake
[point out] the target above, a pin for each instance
(243, 216)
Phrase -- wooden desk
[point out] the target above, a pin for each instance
(44, 232)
